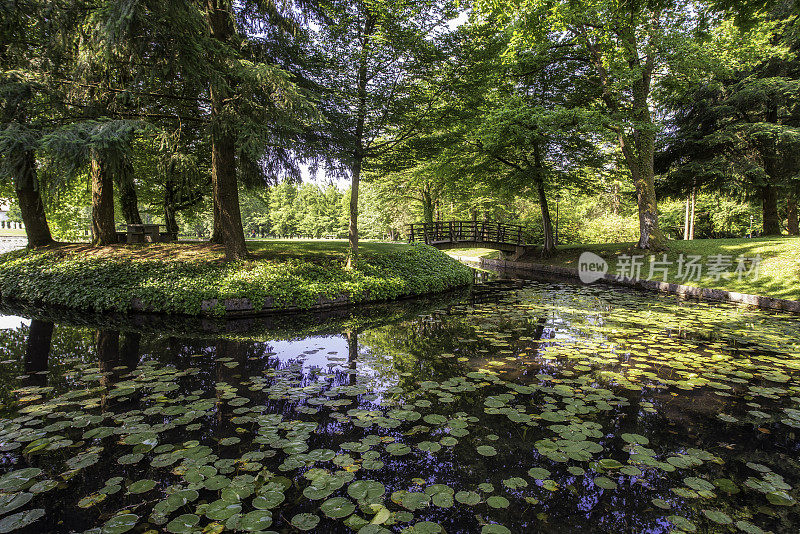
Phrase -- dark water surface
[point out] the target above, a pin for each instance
(535, 408)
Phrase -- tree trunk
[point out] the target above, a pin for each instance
(170, 221)
(638, 147)
(686, 220)
(691, 216)
(226, 196)
(128, 200)
(216, 232)
(549, 244)
(30, 203)
(352, 229)
(103, 229)
(641, 167)
(769, 206)
(427, 206)
(358, 155)
(227, 216)
(791, 214)
(169, 207)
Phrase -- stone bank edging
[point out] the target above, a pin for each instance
(648, 285)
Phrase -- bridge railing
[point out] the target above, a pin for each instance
(467, 231)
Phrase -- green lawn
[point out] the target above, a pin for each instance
(779, 270)
(473, 253)
(8, 232)
(318, 248)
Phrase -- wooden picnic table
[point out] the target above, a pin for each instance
(145, 233)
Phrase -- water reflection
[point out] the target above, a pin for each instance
(545, 408)
(37, 352)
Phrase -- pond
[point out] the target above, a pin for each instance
(520, 407)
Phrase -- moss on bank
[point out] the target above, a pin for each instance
(178, 278)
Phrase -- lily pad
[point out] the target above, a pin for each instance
(305, 521)
(337, 507)
(119, 524)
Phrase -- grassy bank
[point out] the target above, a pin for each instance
(8, 232)
(778, 272)
(177, 278)
(473, 254)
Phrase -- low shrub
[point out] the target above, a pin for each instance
(89, 282)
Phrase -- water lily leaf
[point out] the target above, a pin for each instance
(16, 480)
(727, 485)
(398, 449)
(429, 446)
(682, 523)
(494, 529)
(120, 523)
(780, 498)
(381, 516)
(91, 500)
(635, 438)
(749, 528)
(605, 483)
(182, 497)
(43, 486)
(183, 524)
(609, 463)
(426, 527)
(337, 507)
(413, 500)
(721, 518)
(366, 490)
(539, 473)
(486, 450)
(698, 484)
(515, 483)
(220, 510)
(305, 521)
(470, 498)
(268, 500)
(142, 486)
(496, 501)
(661, 503)
(127, 459)
(257, 520)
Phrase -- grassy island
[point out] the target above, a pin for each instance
(193, 278)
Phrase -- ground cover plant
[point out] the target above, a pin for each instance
(177, 278)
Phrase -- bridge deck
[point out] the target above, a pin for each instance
(447, 234)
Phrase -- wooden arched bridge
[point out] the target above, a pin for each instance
(509, 238)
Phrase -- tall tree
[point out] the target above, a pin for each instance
(33, 54)
(375, 55)
(627, 44)
(737, 126)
